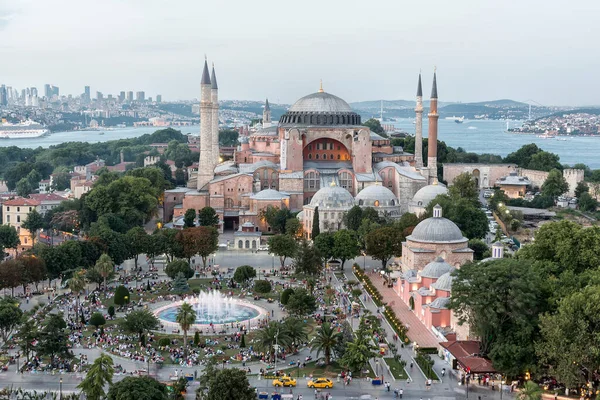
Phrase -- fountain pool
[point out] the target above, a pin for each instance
(212, 308)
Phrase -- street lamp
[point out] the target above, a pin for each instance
(60, 383)
(276, 347)
(376, 368)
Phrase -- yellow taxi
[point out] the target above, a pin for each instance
(284, 381)
(320, 383)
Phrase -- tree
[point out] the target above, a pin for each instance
(77, 283)
(141, 387)
(359, 352)
(283, 246)
(301, 302)
(53, 338)
(61, 181)
(10, 317)
(28, 334)
(243, 274)
(189, 218)
(271, 334)
(97, 320)
(202, 240)
(262, 286)
(285, 296)
(276, 218)
(308, 259)
(33, 270)
(587, 202)
(531, 391)
(11, 275)
(366, 227)
(465, 213)
(208, 217)
(325, 341)
(501, 301)
(33, 223)
(353, 218)
(230, 384)
(122, 296)
(345, 246)
(544, 161)
(375, 126)
(186, 316)
(295, 330)
(228, 137)
(315, 224)
(569, 334)
(139, 321)
(499, 197)
(324, 243)
(480, 249)
(293, 228)
(9, 239)
(522, 157)
(383, 243)
(180, 284)
(555, 184)
(581, 188)
(464, 186)
(137, 241)
(98, 376)
(176, 266)
(105, 267)
(111, 311)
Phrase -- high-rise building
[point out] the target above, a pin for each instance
(34, 91)
(99, 96)
(140, 96)
(130, 96)
(159, 98)
(86, 94)
(47, 90)
(122, 96)
(3, 96)
(149, 99)
(55, 91)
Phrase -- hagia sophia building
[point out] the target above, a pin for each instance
(317, 155)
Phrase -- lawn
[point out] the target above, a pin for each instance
(396, 368)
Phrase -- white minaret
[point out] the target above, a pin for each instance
(419, 127)
(437, 211)
(497, 250)
(266, 115)
(206, 163)
(214, 98)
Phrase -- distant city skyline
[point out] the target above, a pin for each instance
(536, 50)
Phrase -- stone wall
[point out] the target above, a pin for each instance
(537, 178)
(486, 174)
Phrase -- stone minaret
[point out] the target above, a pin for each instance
(419, 126)
(214, 98)
(433, 132)
(207, 165)
(267, 115)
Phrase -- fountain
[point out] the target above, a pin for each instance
(212, 307)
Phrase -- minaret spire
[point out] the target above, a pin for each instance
(266, 123)
(433, 131)
(419, 126)
(321, 87)
(213, 78)
(205, 75)
(206, 163)
(434, 94)
(214, 117)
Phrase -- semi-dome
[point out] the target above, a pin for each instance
(270, 194)
(436, 269)
(332, 197)
(427, 193)
(444, 282)
(437, 230)
(321, 108)
(376, 196)
(441, 303)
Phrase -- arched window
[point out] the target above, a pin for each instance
(361, 202)
(309, 156)
(228, 203)
(331, 156)
(274, 176)
(247, 244)
(390, 174)
(266, 174)
(346, 181)
(317, 156)
(338, 156)
(240, 244)
(311, 181)
(254, 244)
(392, 202)
(324, 156)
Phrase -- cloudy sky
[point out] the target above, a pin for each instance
(543, 50)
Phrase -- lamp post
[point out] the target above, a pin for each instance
(276, 347)
(376, 368)
(501, 386)
(60, 388)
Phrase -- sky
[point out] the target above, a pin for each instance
(545, 51)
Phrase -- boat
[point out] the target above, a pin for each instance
(101, 133)
(27, 129)
(458, 120)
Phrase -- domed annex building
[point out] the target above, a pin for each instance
(317, 155)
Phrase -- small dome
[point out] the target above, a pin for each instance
(270, 194)
(436, 269)
(321, 102)
(376, 196)
(444, 282)
(427, 193)
(300, 215)
(441, 303)
(436, 229)
(270, 131)
(332, 197)
(247, 224)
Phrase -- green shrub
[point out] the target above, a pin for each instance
(97, 319)
(120, 294)
(177, 266)
(262, 286)
(111, 311)
(285, 295)
(165, 341)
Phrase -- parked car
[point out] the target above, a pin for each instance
(263, 248)
(284, 381)
(320, 383)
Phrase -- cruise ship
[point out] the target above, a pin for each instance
(23, 130)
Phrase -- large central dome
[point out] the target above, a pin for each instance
(321, 102)
(320, 108)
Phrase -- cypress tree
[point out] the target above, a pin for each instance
(315, 224)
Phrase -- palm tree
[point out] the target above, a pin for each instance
(99, 375)
(186, 316)
(295, 330)
(105, 267)
(325, 340)
(530, 391)
(77, 284)
(267, 337)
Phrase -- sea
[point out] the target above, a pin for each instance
(477, 136)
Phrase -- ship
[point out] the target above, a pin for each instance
(458, 120)
(23, 130)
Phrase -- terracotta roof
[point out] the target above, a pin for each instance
(41, 197)
(467, 354)
(21, 201)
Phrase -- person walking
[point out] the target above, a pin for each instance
(401, 392)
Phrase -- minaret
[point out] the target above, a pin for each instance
(433, 131)
(419, 126)
(214, 98)
(206, 164)
(266, 115)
